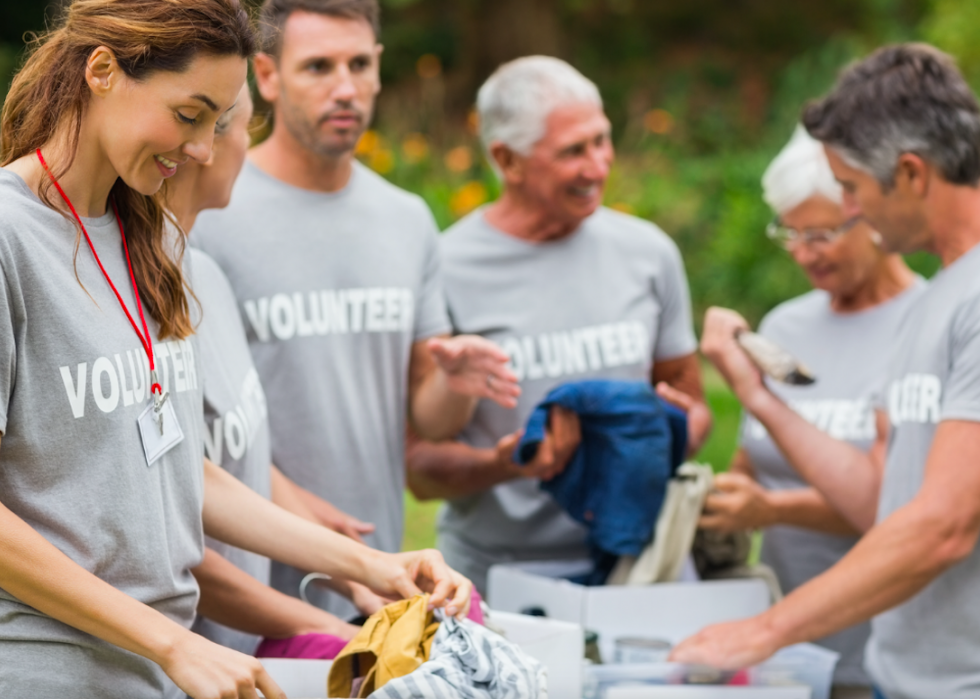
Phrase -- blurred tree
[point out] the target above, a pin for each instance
(954, 26)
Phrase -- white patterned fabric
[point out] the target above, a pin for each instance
(468, 661)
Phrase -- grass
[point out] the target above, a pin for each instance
(420, 517)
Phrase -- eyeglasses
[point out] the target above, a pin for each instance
(817, 237)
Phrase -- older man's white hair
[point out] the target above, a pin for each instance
(515, 102)
(799, 172)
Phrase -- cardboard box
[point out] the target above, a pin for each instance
(708, 693)
(299, 679)
(672, 611)
(557, 644)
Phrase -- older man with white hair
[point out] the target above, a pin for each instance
(571, 290)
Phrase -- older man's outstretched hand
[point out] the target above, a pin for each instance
(475, 366)
(731, 646)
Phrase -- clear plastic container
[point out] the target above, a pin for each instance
(801, 665)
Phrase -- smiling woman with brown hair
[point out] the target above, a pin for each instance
(104, 499)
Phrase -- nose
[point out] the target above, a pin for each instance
(599, 162)
(200, 148)
(344, 89)
(803, 253)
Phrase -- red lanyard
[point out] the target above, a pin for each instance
(145, 335)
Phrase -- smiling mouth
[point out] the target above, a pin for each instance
(588, 191)
(169, 164)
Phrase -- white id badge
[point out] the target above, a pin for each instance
(156, 444)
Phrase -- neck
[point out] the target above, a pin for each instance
(87, 182)
(955, 226)
(186, 217)
(890, 278)
(284, 158)
(516, 215)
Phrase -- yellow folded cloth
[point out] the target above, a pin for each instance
(392, 643)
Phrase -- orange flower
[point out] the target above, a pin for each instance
(459, 159)
(659, 121)
(468, 197)
(382, 161)
(369, 142)
(415, 148)
(428, 66)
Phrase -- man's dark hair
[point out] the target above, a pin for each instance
(906, 98)
(274, 13)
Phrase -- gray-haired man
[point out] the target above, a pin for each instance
(902, 134)
(571, 291)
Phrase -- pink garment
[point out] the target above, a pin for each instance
(321, 646)
(476, 611)
(311, 646)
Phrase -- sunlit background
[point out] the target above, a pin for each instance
(702, 94)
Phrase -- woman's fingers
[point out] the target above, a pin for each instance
(459, 606)
(268, 686)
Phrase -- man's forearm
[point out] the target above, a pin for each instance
(452, 469)
(892, 563)
(437, 413)
(846, 476)
(232, 597)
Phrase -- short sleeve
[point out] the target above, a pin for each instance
(431, 317)
(961, 399)
(8, 350)
(675, 336)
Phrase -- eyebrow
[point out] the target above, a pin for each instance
(207, 100)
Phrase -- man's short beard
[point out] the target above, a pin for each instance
(307, 134)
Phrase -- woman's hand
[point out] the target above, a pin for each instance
(205, 670)
(718, 344)
(737, 503)
(404, 575)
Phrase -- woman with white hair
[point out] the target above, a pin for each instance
(841, 330)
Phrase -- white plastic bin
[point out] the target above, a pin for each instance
(803, 671)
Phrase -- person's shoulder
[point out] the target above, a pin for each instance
(807, 307)
(202, 265)
(631, 231)
(461, 237)
(390, 196)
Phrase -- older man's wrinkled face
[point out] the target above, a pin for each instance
(566, 171)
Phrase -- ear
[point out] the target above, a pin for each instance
(511, 164)
(379, 49)
(102, 71)
(266, 76)
(913, 175)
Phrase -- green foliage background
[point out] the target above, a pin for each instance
(728, 78)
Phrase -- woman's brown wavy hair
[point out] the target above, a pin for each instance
(49, 93)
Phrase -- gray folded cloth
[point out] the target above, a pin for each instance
(469, 661)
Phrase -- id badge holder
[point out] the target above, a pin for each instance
(159, 436)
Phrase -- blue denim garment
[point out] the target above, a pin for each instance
(878, 694)
(632, 442)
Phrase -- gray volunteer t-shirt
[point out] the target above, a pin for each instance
(929, 647)
(846, 352)
(605, 302)
(333, 290)
(73, 380)
(236, 433)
